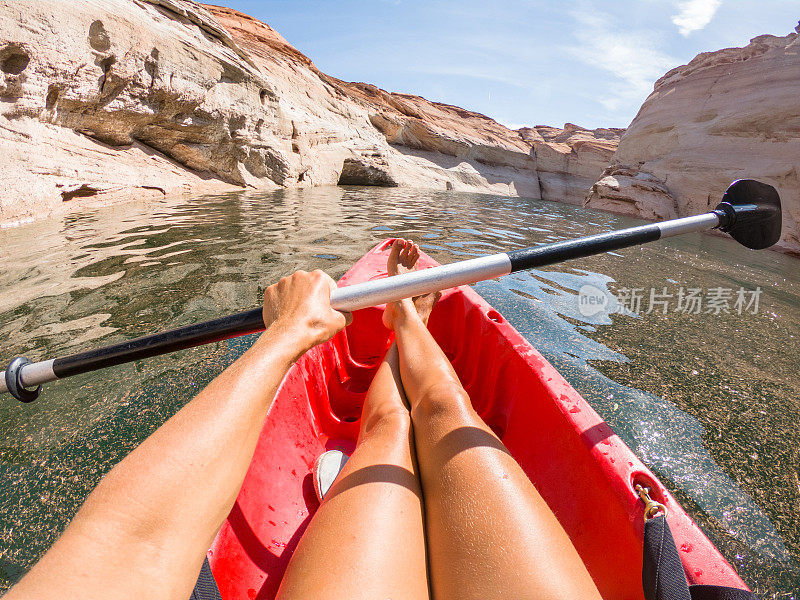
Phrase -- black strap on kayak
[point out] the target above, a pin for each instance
(662, 572)
(206, 587)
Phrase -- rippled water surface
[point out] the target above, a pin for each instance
(709, 402)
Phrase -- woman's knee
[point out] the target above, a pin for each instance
(445, 400)
(393, 421)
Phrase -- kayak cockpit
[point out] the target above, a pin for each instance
(584, 472)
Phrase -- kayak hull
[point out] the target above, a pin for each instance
(583, 471)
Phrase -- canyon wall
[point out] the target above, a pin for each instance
(726, 115)
(569, 159)
(112, 99)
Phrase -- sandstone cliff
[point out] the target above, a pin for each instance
(125, 98)
(726, 115)
(569, 159)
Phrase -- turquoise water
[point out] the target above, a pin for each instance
(709, 402)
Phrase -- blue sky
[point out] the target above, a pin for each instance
(522, 62)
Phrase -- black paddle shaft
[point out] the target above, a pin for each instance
(236, 325)
(539, 256)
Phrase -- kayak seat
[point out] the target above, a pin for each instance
(357, 360)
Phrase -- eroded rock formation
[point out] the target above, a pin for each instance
(726, 115)
(569, 159)
(126, 98)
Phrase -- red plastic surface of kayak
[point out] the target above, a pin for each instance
(584, 472)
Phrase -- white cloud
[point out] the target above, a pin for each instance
(631, 55)
(694, 15)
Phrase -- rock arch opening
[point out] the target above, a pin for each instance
(356, 172)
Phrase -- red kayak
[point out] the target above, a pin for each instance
(586, 474)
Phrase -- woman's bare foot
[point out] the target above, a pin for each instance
(424, 305)
(403, 258)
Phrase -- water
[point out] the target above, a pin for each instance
(710, 402)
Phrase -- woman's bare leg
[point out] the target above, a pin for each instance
(367, 538)
(489, 532)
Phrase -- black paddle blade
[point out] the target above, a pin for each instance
(752, 213)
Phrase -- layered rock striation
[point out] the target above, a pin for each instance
(569, 159)
(129, 98)
(726, 115)
(116, 99)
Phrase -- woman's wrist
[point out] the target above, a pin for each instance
(288, 343)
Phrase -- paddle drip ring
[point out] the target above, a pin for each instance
(14, 381)
(651, 507)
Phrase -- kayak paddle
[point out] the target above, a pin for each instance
(750, 211)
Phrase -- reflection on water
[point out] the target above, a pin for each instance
(709, 402)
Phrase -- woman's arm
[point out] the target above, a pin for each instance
(144, 531)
